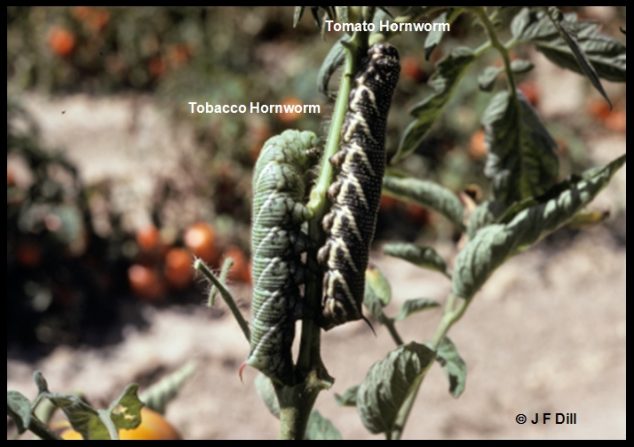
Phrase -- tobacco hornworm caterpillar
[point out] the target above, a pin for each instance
(356, 192)
(276, 239)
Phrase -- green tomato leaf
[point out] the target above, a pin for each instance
(582, 60)
(521, 160)
(487, 78)
(428, 194)
(520, 66)
(321, 428)
(92, 424)
(448, 73)
(348, 398)
(389, 383)
(484, 214)
(332, 61)
(412, 306)
(425, 257)
(19, 409)
(493, 244)
(574, 45)
(377, 293)
(82, 417)
(125, 411)
(435, 36)
(157, 396)
(454, 366)
(40, 382)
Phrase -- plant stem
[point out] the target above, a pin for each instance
(451, 315)
(493, 37)
(224, 271)
(226, 295)
(317, 202)
(296, 402)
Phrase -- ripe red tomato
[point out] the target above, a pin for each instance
(61, 41)
(200, 238)
(178, 268)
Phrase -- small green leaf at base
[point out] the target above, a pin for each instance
(317, 427)
(389, 383)
(455, 367)
(321, 428)
(19, 408)
(82, 417)
(264, 388)
(125, 411)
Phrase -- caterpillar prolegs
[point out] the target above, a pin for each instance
(355, 194)
(279, 189)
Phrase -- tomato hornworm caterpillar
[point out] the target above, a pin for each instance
(279, 190)
(355, 194)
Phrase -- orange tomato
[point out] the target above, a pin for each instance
(153, 427)
(200, 239)
(477, 145)
(240, 270)
(178, 268)
(178, 55)
(81, 12)
(61, 41)
(146, 283)
(99, 20)
(290, 117)
(599, 109)
(530, 91)
(411, 68)
(616, 121)
(148, 239)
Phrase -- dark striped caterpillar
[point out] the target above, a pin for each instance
(355, 194)
(279, 191)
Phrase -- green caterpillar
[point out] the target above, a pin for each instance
(277, 240)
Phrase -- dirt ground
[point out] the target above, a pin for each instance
(545, 334)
